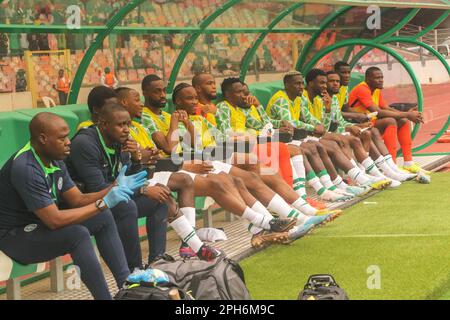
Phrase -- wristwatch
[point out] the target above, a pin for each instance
(101, 205)
(143, 190)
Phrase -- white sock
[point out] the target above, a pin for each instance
(187, 234)
(189, 213)
(338, 182)
(304, 207)
(326, 181)
(253, 229)
(371, 167)
(280, 207)
(382, 164)
(358, 176)
(388, 159)
(317, 185)
(299, 175)
(259, 207)
(353, 162)
(301, 219)
(258, 219)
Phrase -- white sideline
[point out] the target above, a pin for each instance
(400, 235)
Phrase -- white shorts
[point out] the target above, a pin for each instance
(299, 142)
(296, 143)
(190, 174)
(161, 177)
(220, 166)
(311, 138)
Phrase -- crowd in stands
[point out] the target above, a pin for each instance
(56, 192)
(131, 57)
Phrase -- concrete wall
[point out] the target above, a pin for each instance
(15, 100)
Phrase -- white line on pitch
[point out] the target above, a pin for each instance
(385, 236)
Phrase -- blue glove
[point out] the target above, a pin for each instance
(117, 195)
(133, 182)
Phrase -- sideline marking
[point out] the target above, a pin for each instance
(386, 236)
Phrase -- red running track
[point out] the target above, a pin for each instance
(436, 111)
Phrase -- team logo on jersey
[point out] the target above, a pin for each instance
(30, 227)
(60, 183)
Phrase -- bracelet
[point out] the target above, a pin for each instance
(139, 156)
(143, 190)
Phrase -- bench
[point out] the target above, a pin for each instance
(14, 134)
(11, 271)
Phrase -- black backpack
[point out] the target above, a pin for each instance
(220, 279)
(322, 287)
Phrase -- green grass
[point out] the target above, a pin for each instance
(405, 232)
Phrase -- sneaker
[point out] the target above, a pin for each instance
(415, 168)
(332, 213)
(375, 178)
(319, 205)
(358, 191)
(211, 234)
(391, 174)
(298, 232)
(207, 253)
(380, 185)
(317, 220)
(264, 238)
(186, 252)
(282, 225)
(343, 192)
(395, 183)
(407, 173)
(410, 176)
(332, 196)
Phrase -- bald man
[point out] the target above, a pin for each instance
(34, 183)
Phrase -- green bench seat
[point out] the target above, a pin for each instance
(80, 110)
(13, 133)
(70, 117)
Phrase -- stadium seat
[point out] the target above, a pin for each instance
(48, 102)
(70, 117)
(13, 133)
(81, 110)
(263, 94)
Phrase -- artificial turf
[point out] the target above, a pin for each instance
(404, 232)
